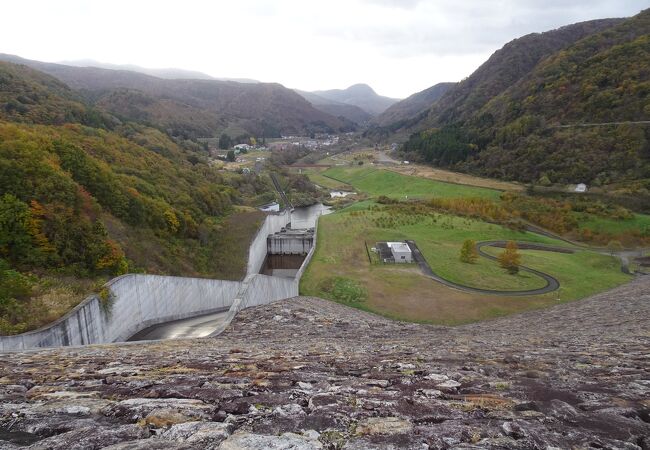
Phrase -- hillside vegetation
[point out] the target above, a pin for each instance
(86, 202)
(505, 120)
(360, 95)
(191, 108)
(411, 109)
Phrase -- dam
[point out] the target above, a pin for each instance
(146, 307)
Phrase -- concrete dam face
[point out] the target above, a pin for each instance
(140, 301)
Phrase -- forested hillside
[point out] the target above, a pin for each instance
(336, 108)
(190, 108)
(516, 131)
(360, 95)
(411, 109)
(85, 196)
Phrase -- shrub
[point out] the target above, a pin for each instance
(344, 290)
(468, 252)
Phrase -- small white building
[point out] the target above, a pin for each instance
(270, 207)
(401, 252)
(581, 187)
(241, 147)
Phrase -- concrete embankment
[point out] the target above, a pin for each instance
(135, 302)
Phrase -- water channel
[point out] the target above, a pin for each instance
(285, 266)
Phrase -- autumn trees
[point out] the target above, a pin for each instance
(510, 259)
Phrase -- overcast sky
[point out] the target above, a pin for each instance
(397, 46)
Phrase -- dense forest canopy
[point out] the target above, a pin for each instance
(517, 131)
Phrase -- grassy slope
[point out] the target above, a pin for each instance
(316, 176)
(614, 226)
(401, 292)
(383, 182)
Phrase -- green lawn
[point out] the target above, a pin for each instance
(580, 274)
(317, 177)
(401, 292)
(614, 226)
(377, 182)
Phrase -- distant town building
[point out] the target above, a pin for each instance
(340, 194)
(240, 147)
(581, 187)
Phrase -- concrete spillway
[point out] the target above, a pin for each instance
(290, 242)
(155, 307)
(194, 327)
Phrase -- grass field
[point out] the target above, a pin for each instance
(402, 292)
(447, 176)
(615, 226)
(376, 182)
(316, 176)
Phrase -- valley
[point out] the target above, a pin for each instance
(343, 269)
(366, 224)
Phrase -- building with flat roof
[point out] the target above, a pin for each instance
(401, 252)
(394, 252)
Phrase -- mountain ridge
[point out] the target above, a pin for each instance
(360, 95)
(194, 108)
(502, 121)
(168, 73)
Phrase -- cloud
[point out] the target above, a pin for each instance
(397, 46)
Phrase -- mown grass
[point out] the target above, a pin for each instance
(580, 274)
(402, 292)
(614, 226)
(376, 182)
(316, 177)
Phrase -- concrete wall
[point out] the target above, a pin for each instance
(257, 251)
(139, 301)
(136, 302)
(293, 244)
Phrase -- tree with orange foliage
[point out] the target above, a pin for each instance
(510, 259)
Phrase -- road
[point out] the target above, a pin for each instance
(383, 158)
(604, 124)
(552, 284)
(193, 327)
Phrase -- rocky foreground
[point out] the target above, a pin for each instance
(306, 373)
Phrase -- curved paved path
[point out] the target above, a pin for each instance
(552, 283)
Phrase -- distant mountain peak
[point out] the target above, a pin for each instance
(361, 88)
(360, 95)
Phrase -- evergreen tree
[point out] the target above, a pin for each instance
(225, 141)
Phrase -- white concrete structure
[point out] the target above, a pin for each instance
(270, 207)
(340, 194)
(136, 302)
(401, 252)
(581, 187)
